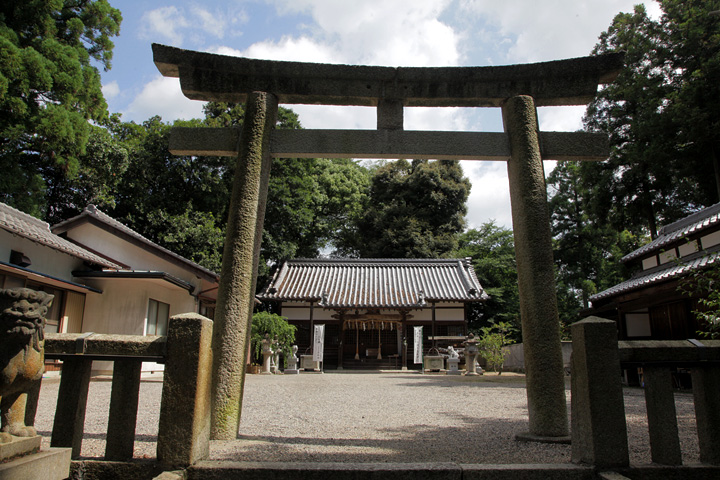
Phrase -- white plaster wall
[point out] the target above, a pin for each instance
(127, 253)
(44, 259)
(122, 307)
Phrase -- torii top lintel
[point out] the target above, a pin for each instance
(212, 77)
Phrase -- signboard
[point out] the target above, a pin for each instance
(418, 345)
(318, 343)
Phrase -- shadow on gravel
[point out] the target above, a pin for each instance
(472, 440)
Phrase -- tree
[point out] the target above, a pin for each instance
(492, 249)
(49, 92)
(662, 115)
(587, 250)
(276, 328)
(414, 210)
(492, 342)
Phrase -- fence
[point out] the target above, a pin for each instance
(599, 432)
(184, 428)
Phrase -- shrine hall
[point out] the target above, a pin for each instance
(370, 306)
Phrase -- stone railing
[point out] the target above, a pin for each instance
(599, 431)
(184, 428)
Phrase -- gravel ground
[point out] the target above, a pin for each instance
(372, 417)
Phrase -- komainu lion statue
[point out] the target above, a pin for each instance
(22, 355)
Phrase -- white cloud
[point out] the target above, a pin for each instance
(548, 30)
(111, 90)
(165, 22)
(162, 96)
(490, 194)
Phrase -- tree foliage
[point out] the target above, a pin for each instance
(662, 115)
(492, 249)
(276, 328)
(49, 92)
(492, 342)
(415, 210)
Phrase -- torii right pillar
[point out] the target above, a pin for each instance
(547, 407)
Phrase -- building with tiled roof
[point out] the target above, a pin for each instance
(369, 306)
(106, 277)
(650, 305)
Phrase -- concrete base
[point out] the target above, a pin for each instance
(210, 470)
(19, 446)
(51, 464)
(529, 437)
(291, 371)
(453, 372)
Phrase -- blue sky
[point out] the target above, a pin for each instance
(371, 32)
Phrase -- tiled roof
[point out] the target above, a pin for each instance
(375, 283)
(679, 230)
(660, 274)
(27, 226)
(91, 211)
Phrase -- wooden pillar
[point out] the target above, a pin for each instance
(312, 327)
(404, 340)
(341, 315)
(433, 325)
(233, 314)
(536, 272)
(357, 341)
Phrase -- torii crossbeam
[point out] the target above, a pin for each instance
(517, 89)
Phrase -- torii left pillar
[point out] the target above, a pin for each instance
(233, 312)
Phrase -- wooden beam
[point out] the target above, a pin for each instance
(212, 77)
(389, 144)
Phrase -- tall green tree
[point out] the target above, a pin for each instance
(492, 249)
(49, 92)
(587, 250)
(662, 116)
(416, 209)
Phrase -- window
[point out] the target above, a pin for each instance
(157, 319)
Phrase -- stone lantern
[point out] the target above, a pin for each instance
(471, 354)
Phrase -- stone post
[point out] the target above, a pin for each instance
(599, 432)
(233, 313)
(184, 427)
(706, 393)
(122, 419)
(536, 272)
(69, 423)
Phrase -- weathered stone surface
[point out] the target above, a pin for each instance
(241, 254)
(51, 464)
(104, 470)
(22, 356)
(98, 344)
(536, 272)
(19, 446)
(662, 419)
(206, 76)
(599, 433)
(184, 429)
(123, 409)
(389, 144)
(69, 422)
(681, 351)
(706, 392)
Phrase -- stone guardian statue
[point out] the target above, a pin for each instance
(22, 355)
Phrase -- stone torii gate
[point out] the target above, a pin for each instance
(517, 89)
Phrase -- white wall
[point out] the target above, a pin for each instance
(44, 259)
(127, 253)
(122, 307)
